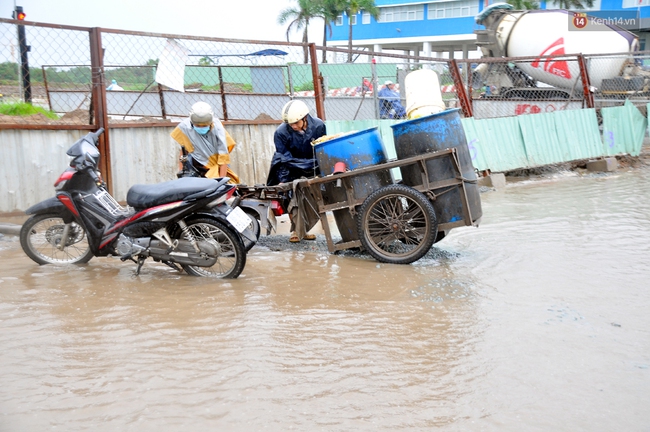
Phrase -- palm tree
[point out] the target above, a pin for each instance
(573, 4)
(329, 10)
(524, 4)
(352, 7)
(299, 17)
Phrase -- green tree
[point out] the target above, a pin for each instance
(298, 18)
(205, 61)
(329, 10)
(8, 71)
(573, 4)
(524, 4)
(352, 7)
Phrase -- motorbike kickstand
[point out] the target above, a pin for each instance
(141, 260)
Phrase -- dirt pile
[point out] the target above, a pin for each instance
(79, 117)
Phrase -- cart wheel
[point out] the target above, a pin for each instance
(397, 224)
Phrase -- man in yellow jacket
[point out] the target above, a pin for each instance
(207, 143)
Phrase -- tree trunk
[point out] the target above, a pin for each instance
(324, 59)
(350, 42)
(305, 42)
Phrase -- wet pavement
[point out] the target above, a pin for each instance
(537, 320)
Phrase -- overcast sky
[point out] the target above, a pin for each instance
(235, 19)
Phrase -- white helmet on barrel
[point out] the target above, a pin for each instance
(293, 111)
(201, 113)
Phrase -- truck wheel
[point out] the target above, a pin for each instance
(397, 224)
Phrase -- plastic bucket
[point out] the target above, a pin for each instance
(423, 95)
(434, 133)
(356, 150)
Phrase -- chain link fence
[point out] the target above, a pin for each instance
(506, 87)
(38, 61)
(618, 78)
(62, 69)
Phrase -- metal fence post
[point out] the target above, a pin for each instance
(318, 89)
(586, 84)
(222, 90)
(100, 119)
(375, 84)
(465, 102)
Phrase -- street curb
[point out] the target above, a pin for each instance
(10, 229)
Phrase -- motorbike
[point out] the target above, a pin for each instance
(184, 223)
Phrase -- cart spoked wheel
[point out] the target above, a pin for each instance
(397, 224)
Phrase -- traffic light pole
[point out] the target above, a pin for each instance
(24, 64)
(19, 15)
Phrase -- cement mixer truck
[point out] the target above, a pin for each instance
(537, 34)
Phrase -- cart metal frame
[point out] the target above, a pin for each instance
(429, 189)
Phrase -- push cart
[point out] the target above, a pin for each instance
(395, 217)
(396, 223)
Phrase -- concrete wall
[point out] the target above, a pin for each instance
(33, 159)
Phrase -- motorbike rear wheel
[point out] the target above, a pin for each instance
(41, 235)
(255, 229)
(231, 252)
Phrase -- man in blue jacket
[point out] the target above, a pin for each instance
(294, 153)
(390, 106)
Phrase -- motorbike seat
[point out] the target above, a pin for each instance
(142, 196)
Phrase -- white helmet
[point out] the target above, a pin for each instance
(293, 111)
(201, 113)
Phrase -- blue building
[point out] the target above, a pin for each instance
(444, 28)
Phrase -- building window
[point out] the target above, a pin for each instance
(635, 3)
(453, 9)
(353, 20)
(401, 13)
(339, 20)
(365, 18)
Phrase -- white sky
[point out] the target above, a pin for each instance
(233, 19)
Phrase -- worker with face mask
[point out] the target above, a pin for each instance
(205, 141)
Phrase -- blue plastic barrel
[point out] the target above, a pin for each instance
(357, 150)
(433, 133)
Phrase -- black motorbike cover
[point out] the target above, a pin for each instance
(145, 196)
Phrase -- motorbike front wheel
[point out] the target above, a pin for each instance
(41, 237)
(231, 257)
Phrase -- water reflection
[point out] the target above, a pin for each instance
(498, 328)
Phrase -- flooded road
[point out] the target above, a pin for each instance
(537, 320)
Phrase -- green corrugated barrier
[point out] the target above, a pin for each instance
(495, 144)
(623, 129)
(526, 141)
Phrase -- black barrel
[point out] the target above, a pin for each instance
(434, 133)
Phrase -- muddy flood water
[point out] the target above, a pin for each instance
(538, 320)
